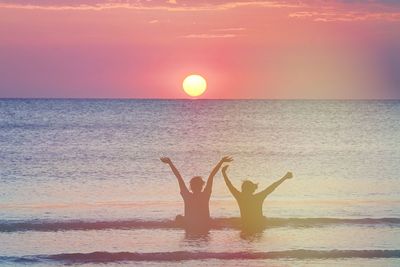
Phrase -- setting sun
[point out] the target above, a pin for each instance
(194, 85)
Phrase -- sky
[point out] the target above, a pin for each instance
(246, 49)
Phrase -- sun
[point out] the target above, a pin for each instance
(194, 85)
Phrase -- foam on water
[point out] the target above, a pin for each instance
(219, 223)
(108, 257)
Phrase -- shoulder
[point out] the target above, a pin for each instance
(260, 196)
(206, 193)
(185, 193)
(237, 194)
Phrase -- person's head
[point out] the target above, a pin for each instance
(248, 187)
(196, 184)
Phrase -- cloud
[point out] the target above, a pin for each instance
(389, 3)
(350, 10)
(217, 4)
(317, 10)
(346, 16)
(229, 29)
(171, 5)
(208, 36)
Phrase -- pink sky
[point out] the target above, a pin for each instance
(245, 49)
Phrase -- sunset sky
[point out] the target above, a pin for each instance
(245, 49)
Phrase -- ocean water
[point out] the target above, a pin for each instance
(81, 181)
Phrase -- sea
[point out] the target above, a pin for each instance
(82, 184)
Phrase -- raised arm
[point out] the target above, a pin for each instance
(230, 186)
(273, 186)
(210, 179)
(182, 184)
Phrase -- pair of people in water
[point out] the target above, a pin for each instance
(196, 200)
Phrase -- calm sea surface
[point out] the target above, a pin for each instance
(84, 176)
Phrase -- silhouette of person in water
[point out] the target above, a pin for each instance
(250, 204)
(197, 214)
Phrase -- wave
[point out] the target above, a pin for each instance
(107, 257)
(218, 223)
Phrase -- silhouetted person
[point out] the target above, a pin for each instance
(250, 204)
(197, 213)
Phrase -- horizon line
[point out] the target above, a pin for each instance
(198, 99)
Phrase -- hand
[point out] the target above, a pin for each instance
(166, 160)
(225, 168)
(226, 159)
(289, 175)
